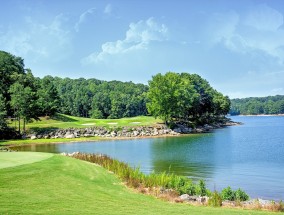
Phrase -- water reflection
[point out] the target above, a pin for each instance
(188, 156)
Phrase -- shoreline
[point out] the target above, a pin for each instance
(94, 140)
(102, 134)
(259, 115)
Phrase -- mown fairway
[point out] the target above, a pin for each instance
(62, 185)
(66, 121)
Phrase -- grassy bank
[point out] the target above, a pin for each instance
(62, 185)
(66, 121)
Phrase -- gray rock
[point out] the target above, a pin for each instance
(33, 137)
(177, 130)
(202, 199)
(113, 134)
(135, 133)
(69, 136)
(184, 197)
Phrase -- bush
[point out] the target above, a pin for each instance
(228, 194)
(215, 200)
(241, 195)
(201, 188)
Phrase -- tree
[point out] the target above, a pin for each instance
(48, 98)
(3, 113)
(23, 102)
(10, 67)
(185, 98)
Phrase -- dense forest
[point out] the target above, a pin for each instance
(258, 105)
(175, 98)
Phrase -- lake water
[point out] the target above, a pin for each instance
(250, 156)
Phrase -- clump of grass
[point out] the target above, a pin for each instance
(215, 200)
(135, 178)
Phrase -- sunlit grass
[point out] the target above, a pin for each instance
(62, 185)
(66, 121)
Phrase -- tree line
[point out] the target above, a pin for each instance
(258, 105)
(176, 98)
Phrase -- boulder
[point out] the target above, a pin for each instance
(68, 135)
(33, 137)
(184, 197)
(202, 199)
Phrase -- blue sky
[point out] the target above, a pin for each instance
(238, 46)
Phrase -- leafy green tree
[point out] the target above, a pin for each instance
(23, 102)
(10, 67)
(184, 98)
(48, 98)
(3, 113)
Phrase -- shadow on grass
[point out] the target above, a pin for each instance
(63, 118)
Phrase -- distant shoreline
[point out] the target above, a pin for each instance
(259, 115)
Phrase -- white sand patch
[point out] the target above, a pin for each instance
(112, 123)
(135, 122)
(89, 124)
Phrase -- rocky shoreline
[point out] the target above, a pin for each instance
(257, 203)
(125, 132)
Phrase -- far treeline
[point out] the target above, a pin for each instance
(175, 98)
(258, 105)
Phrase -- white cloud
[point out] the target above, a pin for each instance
(277, 90)
(108, 9)
(38, 40)
(258, 30)
(138, 36)
(83, 18)
(264, 18)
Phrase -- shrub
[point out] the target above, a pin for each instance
(228, 194)
(201, 188)
(189, 188)
(215, 200)
(241, 195)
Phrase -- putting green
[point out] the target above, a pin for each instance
(10, 159)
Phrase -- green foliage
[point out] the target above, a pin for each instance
(48, 98)
(184, 98)
(241, 195)
(201, 188)
(228, 194)
(215, 200)
(100, 99)
(231, 195)
(258, 105)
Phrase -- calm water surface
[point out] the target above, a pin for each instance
(250, 156)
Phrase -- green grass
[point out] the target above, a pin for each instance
(45, 141)
(65, 121)
(63, 185)
(8, 160)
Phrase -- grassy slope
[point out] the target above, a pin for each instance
(61, 185)
(65, 121)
